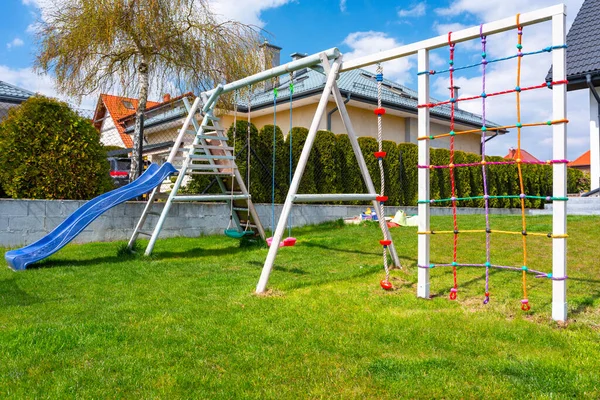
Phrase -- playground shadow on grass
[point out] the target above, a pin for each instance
(12, 295)
(296, 271)
(341, 250)
(120, 259)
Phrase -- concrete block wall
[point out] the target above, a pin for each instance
(24, 221)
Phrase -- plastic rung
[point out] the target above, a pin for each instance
(211, 166)
(380, 154)
(381, 199)
(240, 209)
(211, 128)
(213, 118)
(144, 233)
(379, 111)
(385, 242)
(153, 213)
(212, 147)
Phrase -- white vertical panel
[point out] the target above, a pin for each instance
(423, 258)
(559, 152)
(594, 143)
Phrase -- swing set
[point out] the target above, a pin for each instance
(332, 64)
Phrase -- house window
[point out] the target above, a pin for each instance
(128, 105)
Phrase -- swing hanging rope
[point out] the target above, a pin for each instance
(235, 98)
(380, 155)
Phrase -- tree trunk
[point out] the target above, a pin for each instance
(141, 108)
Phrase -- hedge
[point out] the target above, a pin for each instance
(332, 168)
(50, 152)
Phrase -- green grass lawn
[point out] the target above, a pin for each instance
(185, 323)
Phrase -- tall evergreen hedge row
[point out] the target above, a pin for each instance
(332, 168)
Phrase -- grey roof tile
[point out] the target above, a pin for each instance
(11, 92)
(363, 84)
(583, 41)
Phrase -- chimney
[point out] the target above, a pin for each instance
(455, 93)
(270, 57)
(166, 97)
(297, 56)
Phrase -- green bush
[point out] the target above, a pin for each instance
(326, 169)
(391, 168)
(298, 137)
(265, 152)
(50, 152)
(408, 173)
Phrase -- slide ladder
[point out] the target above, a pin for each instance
(209, 154)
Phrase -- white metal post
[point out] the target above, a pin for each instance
(594, 142)
(308, 144)
(559, 208)
(423, 174)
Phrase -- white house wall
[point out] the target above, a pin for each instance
(109, 136)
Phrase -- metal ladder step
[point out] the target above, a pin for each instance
(209, 137)
(145, 233)
(205, 167)
(208, 128)
(212, 147)
(210, 157)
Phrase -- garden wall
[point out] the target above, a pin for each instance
(25, 221)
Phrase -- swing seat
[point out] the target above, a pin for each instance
(289, 242)
(235, 234)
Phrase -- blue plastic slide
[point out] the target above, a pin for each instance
(84, 215)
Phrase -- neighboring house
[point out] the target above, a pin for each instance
(525, 155)
(583, 72)
(359, 89)
(581, 163)
(109, 110)
(11, 96)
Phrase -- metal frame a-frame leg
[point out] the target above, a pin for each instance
(330, 88)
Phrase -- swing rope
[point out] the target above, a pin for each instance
(380, 155)
(274, 159)
(235, 98)
(248, 150)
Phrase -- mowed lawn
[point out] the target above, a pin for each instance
(185, 323)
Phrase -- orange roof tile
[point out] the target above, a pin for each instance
(525, 155)
(118, 108)
(583, 160)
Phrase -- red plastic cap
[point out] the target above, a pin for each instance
(380, 154)
(385, 242)
(379, 111)
(387, 285)
(381, 199)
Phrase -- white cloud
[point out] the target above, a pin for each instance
(343, 5)
(417, 11)
(16, 42)
(246, 11)
(364, 43)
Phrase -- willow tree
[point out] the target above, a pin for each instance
(141, 45)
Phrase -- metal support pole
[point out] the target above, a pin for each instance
(423, 173)
(310, 139)
(559, 152)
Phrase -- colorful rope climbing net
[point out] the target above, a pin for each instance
(484, 164)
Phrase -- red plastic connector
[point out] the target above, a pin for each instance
(379, 111)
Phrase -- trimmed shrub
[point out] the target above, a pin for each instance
(265, 152)
(408, 173)
(326, 169)
(368, 146)
(391, 169)
(298, 137)
(50, 152)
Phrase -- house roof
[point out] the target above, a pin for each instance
(159, 113)
(525, 155)
(361, 85)
(583, 51)
(581, 161)
(13, 94)
(118, 107)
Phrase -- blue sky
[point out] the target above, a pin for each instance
(360, 27)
